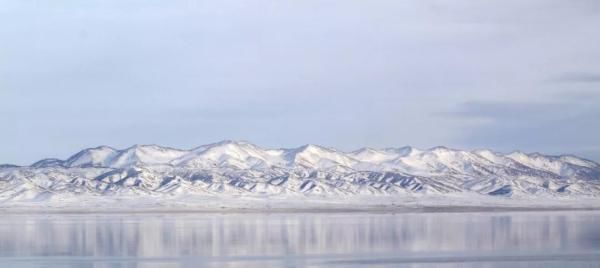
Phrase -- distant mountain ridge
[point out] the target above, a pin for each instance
(242, 168)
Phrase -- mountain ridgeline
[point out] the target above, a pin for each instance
(242, 168)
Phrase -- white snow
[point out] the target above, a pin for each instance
(235, 169)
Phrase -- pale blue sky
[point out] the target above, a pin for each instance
(503, 75)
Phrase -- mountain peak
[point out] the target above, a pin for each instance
(48, 162)
(97, 156)
(245, 155)
(223, 143)
(318, 157)
(314, 148)
(440, 149)
(239, 167)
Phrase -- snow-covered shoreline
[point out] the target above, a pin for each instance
(278, 204)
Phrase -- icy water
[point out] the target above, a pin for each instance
(507, 239)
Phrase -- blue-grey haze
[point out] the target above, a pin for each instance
(503, 75)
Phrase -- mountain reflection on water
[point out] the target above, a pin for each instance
(507, 239)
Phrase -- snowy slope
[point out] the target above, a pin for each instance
(237, 168)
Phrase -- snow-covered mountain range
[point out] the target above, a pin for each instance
(241, 168)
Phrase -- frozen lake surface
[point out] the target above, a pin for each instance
(500, 239)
